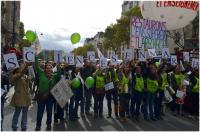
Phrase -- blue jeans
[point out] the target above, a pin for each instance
(136, 99)
(98, 103)
(109, 96)
(158, 102)
(16, 116)
(124, 104)
(148, 105)
(40, 110)
(2, 115)
(73, 107)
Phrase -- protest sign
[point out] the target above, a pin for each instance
(114, 60)
(109, 86)
(195, 63)
(186, 56)
(165, 53)
(128, 54)
(58, 56)
(29, 54)
(62, 92)
(168, 97)
(146, 33)
(79, 61)
(152, 53)
(91, 56)
(70, 59)
(11, 60)
(142, 56)
(103, 62)
(173, 60)
(31, 71)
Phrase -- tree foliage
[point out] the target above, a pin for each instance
(83, 50)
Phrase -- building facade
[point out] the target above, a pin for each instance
(10, 23)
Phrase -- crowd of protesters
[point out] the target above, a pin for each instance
(139, 91)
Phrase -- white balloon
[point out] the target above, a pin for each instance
(175, 15)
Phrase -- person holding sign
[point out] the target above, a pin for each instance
(124, 96)
(162, 83)
(111, 93)
(21, 98)
(99, 92)
(194, 95)
(136, 97)
(46, 81)
(152, 86)
(175, 80)
(85, 72)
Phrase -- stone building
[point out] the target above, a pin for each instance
(10, 23)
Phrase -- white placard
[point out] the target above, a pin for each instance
(109, 86)
(128, 54)
(186, 82)
(11, 60)
(165, 53)
(114, 59)
(103, 63)
(2, 91)
(79, 61)
(70, 59)
(195, 63)
(152, 53)
(29, 54)
(168, 97)
(142, 56)
(31, 71)
(173, 60)
(62, 92)
(91, 56)
(179, 94)
(186, 56)
(58, 56)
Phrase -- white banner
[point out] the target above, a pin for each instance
(62, 92)
(58, 56)
(91, 56)
(11, 60)
(29, 54)
(79, 61)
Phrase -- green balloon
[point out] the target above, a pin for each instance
(30, 36)
(76, 83)
(89, 82)
(75, 38)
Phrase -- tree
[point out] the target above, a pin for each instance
(83, 50)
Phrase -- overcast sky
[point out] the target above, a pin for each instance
(58, 19)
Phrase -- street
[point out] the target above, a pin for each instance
(170, 122)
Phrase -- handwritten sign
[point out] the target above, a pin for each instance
(109, 86)
(149, 34)
(11, 60)
(152, 53)
(142, 56)
(195, 63)
(29, 54)
(62, 92)
(186, 56)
